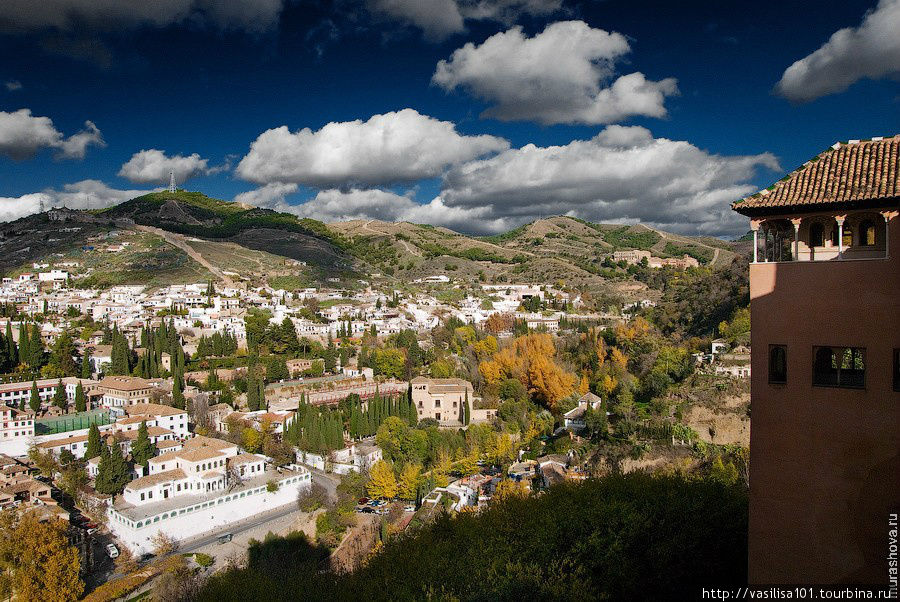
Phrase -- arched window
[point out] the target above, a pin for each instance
(777, 364)
(867, 233)
(816, 235)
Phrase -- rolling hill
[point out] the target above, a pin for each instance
(187, 236)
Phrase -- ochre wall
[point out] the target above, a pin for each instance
(824, 461)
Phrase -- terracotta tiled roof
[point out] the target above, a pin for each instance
(175, 474)
(864, 170)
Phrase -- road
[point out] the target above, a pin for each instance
(177, 240)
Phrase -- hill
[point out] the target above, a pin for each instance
(214, 238)
(195, 214)
(551, 250)
(632, 537)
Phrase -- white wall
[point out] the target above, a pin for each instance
(199, 522)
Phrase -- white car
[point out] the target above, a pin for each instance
(112, 551)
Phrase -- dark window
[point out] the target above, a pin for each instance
(896, 369)
(848, 236)
(839, 367)
(777, 364)
(816, 235)
(867, 233)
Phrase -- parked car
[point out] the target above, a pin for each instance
(363, 501)
(225, 538)
(112, 551)
(91, 531)
(367, 510)
(409, 508)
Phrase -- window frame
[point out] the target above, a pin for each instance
(769, 360)
(838, 353)
(896, 363)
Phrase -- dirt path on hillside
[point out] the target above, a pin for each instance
(177, 240)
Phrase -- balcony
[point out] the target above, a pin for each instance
(862, 235)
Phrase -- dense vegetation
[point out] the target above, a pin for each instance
(620, 538)
(219, 219)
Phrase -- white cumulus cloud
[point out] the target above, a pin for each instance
(23, 16)
(441, 18)
(871, 50)
(565, 74)
(342, 205)
(12, 85)
(401, 146)
(22, 135)
(270, 196)
(623, 174)
(153, 166)
(86, 194)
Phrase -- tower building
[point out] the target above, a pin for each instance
(825, 384)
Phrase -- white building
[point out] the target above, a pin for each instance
(204, 487)
(16, 431)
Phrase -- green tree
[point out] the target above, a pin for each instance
(114, 470)
(177, 395)
(93, 442)
(142, 449)
(251, 440)
(80, 403)
(62, 356)
(24, 354)
(59, 396)
(87, 364)
(35, 348)
(34, 402)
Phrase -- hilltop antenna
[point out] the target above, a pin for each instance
(41, 201)
(171, 181)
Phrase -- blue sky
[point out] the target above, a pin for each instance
(700, 118)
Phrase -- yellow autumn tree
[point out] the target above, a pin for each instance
(491, 372)
(382, 483)
(583, 386)
(509, 489)
(485, 347)
(45, 565)
(442, 468)
(501, 449)
(410, 477)
(530, 358)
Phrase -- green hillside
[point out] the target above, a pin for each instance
(632, 537)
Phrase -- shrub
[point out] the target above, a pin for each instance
(271, 486)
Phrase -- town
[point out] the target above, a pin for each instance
(449, 300)
(154, 420)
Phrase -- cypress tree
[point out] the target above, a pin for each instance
(87, 368)
(11, 351)
(466, 410)
(80, 403)
(142, 449)
(177, 395)
(35, 347)
(24, 354)
(93, 442)
(59, 396)
(35, 401)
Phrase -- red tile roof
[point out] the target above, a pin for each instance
(846, 173)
